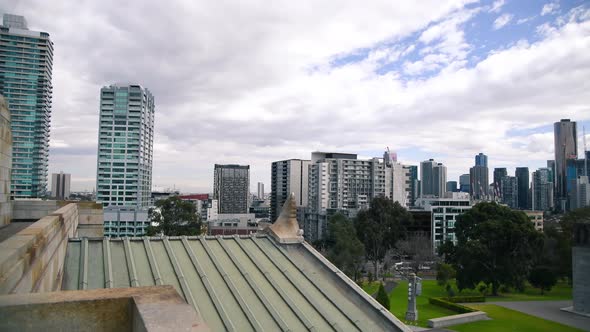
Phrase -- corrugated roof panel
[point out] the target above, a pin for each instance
(234, 283)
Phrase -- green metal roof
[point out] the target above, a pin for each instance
(234, 283)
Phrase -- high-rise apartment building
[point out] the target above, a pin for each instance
(341, 183)
(125, 146)
(509, 185)
(231, 188)
(260, 192)
(288, 176)
(566, 148)
(580, 193)
(499, 173)
(479, 179)
(522, 175)
(26, 61)
(433, 179)
(542, 190)
(464, 183)
(60, 185)
(481, 160)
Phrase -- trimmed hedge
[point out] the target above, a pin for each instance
(465, 299)
(442, 302)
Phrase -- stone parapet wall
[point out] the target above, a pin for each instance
(32, 209)
(32, 260)
(5, 163)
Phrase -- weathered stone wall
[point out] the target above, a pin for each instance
(32, 209)
(32, 260)
(5, 163)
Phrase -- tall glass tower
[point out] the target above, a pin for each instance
(125, 146)
(26, 60)
(566, 148)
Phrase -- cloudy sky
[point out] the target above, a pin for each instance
(252, 82)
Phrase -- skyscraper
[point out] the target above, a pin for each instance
(566, 148)
(231, 188)
(60, 185)
(260, 193)
(522, 175)
(464, 183)
(499, 173)
(288, 176)
(510, 191)
(433, 178)
(125, 146)
(542, 190)
(26, 60)
(481, 160)
(414, 189)
(452, 186)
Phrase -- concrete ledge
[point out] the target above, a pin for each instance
(457, 319)
(154, 308)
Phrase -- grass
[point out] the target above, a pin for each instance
(426, 311)
(504, 319)
(371, 287)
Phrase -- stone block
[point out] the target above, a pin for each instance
(457, 319)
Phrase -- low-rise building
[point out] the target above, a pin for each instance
(536, 217)
(120, 221)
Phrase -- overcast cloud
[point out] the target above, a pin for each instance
(252, 82)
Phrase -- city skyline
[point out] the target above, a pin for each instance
(256, 109)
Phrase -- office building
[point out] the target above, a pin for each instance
(414, 185)
(120, 221)
(452, 186)
(464, 183)
(479, 179)
(341, 183)
(444, 215)
(231, 188)
(288, 176)
(60, 185)
(26, 61)
(566, 148)
(522, 176)
(542, 190)
(125, 146)
(509, 185)
(481, 160)
(433, 179)
(499, 174)
(260, 192)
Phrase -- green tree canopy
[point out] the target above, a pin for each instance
(543, 278)
(174, 217)
(496, 245)
(380, 227)
(345, 251)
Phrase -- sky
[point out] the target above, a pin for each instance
(252, 82)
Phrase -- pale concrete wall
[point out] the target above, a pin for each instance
(5, 163)
(457, 319)
(33, 259)
(32, 209)
(581, 279)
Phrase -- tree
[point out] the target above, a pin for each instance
(379, 228)
(345, 251)
(542, 277)
(419, 248)
(382, 297)
(174, 217)
(496, 245)
(444, 274)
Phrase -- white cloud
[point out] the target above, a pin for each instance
(502, 20)
(524, 20)
(233, 84)
(549, 8)
(497, 6)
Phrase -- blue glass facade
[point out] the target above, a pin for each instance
(26, 60)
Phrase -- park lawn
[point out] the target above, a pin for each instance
(371, 287)
(399, 302)
(561, 291)
(504, 319)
